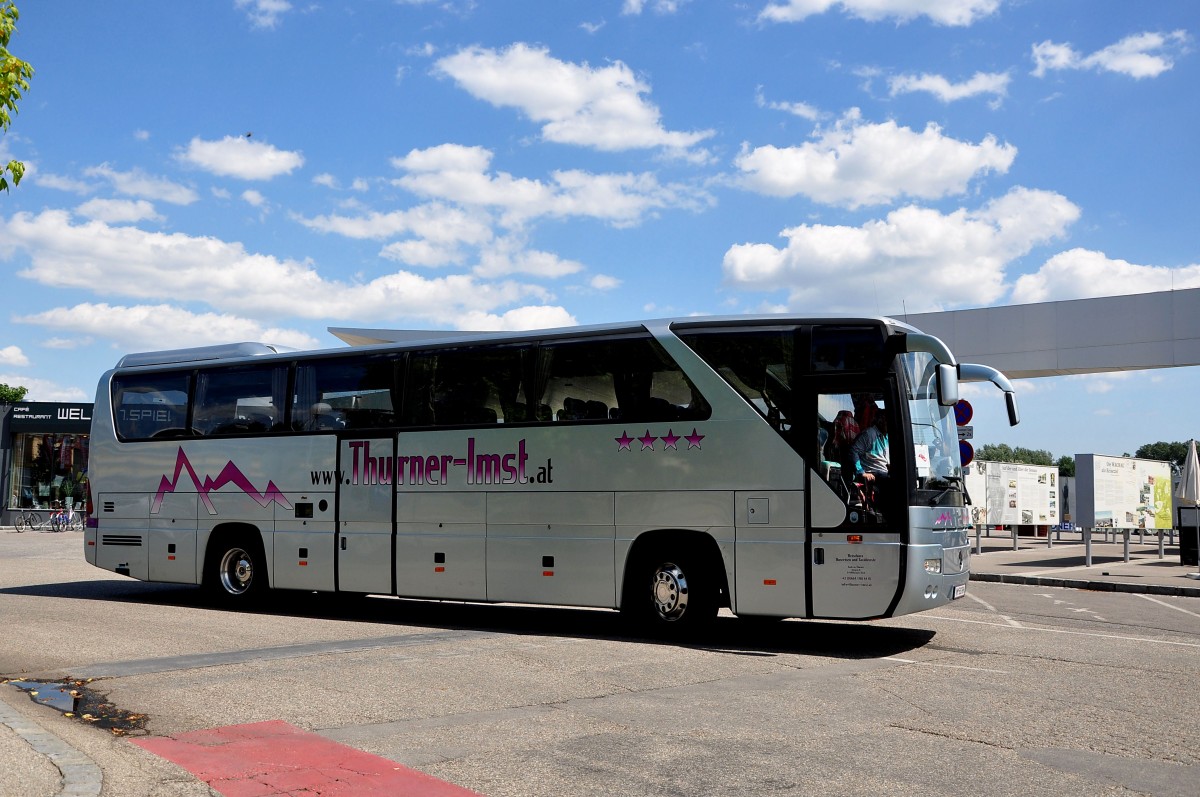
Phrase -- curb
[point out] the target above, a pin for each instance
(1095, 586)
(80, 775)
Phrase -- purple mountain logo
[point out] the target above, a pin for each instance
(230, 474)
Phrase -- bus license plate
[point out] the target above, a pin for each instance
(959, 591)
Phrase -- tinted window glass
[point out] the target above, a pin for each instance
(469, 386)
(345, 393)
(240, 400)
(757, 363)
(847, 348)
(150, 405)
(630, 380)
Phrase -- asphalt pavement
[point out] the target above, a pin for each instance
(36, 763)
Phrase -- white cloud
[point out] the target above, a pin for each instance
(45, 390)
(254, 198)
(418, 252)
(533, 317)
(662, 7)
(117, 211)
(61, 183)
(855, 164)
(163, 267)
(942, 12)
(162, 326)
(264, 13)
(237, 156)
(459, 174)
(1099, 384)
(801, 109)
(509, 256)
(1084, 274)
(603, 282)
(12, 355)
(68, 343)
(602, 108)
(326, 179)
(1138, 56)
(993, 83)
(139, 184)
(434, 221)
(141, 135)
(916, 256)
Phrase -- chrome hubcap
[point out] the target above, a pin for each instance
(670, 591)
(237, 571)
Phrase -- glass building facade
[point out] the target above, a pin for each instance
(43, 455)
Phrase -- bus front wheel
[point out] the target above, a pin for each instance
(671, 594)
(237, 572)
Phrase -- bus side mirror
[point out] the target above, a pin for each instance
(947, 386)
(1010, 399)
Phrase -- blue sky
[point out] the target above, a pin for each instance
(264, 169)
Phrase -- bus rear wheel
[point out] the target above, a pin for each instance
(237, 572)
(671, 594)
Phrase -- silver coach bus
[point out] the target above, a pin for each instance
(774, 465)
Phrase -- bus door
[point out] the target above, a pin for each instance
(364, 514)
(856, 519)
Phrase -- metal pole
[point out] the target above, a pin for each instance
(1162, 554)
(1014, 535)
(1087, 547)
(978, 541)
(1125, 535)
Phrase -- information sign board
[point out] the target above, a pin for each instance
(1122, 492)
(1009, 494)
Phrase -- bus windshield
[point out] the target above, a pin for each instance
(935, 434)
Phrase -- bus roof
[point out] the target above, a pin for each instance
(382, 338)
(223, 351)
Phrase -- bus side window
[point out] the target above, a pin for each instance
(759, 365)
(350, 393)
(239, 400)
(150, 405)
(629, 380)
(476, 386)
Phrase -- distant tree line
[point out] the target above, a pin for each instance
(1000, 452)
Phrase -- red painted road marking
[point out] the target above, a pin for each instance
(264, 759)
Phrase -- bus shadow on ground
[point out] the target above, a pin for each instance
(728, 634)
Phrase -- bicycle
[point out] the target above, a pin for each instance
(66, 520)
(27, 519)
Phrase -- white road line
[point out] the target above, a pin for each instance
(1070, 633)
(992, 609)
(1164, 603)
(946, 666)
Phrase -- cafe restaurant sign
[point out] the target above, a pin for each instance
(35, 417)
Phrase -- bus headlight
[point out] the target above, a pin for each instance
(933, 565)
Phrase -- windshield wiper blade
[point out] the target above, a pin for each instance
(955, 481)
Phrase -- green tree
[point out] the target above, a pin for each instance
(11, 395)
(1002, 452)
(1167, 452)
(14, 79)
(1066, 465)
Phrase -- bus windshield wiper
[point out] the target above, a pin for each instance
(954, 481)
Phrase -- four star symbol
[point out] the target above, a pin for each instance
(670, 440)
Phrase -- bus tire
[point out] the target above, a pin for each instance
(236, 569)
(670, 593)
